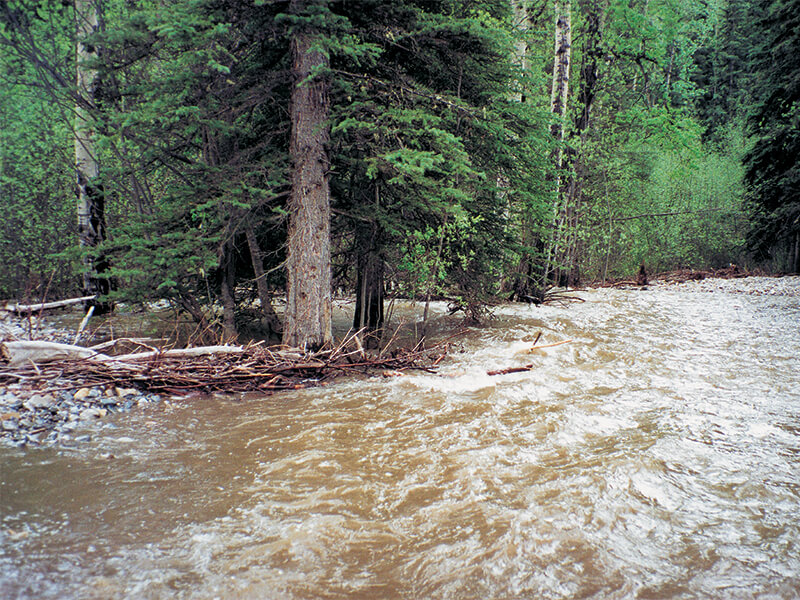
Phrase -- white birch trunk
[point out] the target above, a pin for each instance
(558, 106)
(561, 65)
(522, 24)
(90, 195)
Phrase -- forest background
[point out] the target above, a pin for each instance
(223, 152)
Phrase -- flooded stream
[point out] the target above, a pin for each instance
(656, 455)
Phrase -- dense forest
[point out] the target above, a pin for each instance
(220, 154)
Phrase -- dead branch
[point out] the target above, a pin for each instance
(510, 370)
(553, 345)
(32, 308)
(532, 349)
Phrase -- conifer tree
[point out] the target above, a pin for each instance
(773, 171)
(307, 321)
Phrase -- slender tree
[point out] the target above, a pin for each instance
(558, 107)
(90, 192)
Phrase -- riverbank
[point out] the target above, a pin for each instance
(50, 413)
(53, 412)
(787, 285)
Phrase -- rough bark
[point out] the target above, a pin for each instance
(308, 264)
(256, 257)
(90, 193)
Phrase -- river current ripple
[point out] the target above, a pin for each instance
(656, 455)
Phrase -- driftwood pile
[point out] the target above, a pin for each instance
(204, 369)
(677, 276)
(684, 275)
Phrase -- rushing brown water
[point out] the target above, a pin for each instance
(655, 456)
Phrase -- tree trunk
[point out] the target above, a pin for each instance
(256, 258)
(91, 196)
(308, 264)
(369, 282)
(561, 65)
(227, 290)
(558, 106)
(574, 163)
(522, 25)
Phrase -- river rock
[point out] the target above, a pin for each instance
(93, 413)
(35, 438)
(11, 401)
(39, 401)
(10, 425)
(123, 392)
(82, 394)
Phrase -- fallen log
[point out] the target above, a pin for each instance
(179, 353)
(37, 352)
(33, 308)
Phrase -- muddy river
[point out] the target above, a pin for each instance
(655, 455)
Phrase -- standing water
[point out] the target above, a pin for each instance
(656, 455)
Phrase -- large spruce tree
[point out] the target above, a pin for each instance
(773, 172)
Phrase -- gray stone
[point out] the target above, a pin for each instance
(108, 401)
(39, 401)
(92, 413)
(35, 438)
(10, 425)
(12, 402)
